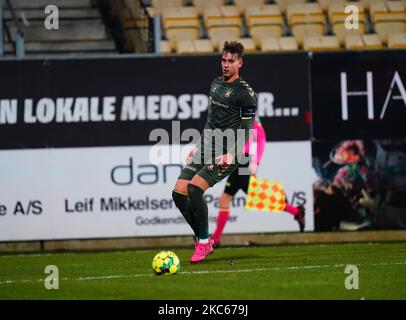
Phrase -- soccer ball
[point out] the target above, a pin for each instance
(165, 262)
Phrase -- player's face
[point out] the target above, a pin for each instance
(230, 64)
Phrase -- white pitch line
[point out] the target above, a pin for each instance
(210, 272)
(48, 254)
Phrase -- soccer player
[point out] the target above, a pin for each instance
(232, 107)
(238, 181)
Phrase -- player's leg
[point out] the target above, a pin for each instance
(181, 198)
(196, 189)
(298, 213)
(207, 177)
(222, 217)
(231, 188)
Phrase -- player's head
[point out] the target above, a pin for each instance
(231, 59)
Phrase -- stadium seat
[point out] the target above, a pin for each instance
(279, 44)
(397, 41)
(389, 17)
(221, 16)
(243, 4)
(249, 45)
(363, 42)
(218, 35)
(366, 4)
(165, 47)
(324, 4)
(222, 23)
(288, 43)
(180, 17)
(264, 21)
(284, 3)
(81, 28)
(269, 44)
(185, 46)
(159, 5)
(203, 46)
(194, 46)
(203, 4)
(323, 43)
(337, 18)
(180, 23)
(305, 19)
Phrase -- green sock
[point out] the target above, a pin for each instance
(183, 203)
(200, 210)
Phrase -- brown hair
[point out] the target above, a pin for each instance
(233, 47)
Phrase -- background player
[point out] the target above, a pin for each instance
(237, 181)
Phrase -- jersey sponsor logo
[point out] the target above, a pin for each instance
(215, 102)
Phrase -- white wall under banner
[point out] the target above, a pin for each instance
(103, 192)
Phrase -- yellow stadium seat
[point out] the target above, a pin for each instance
(324, 4)
(218, 35)
(222, 23)
(278, 44)
(384, 29)
(288, 43)
(180, 23)
(389, 17)
(249, 45)
(269, 44)
(221, 16)
(180, 17)
(264, 21)
(338, 17)
(323, 43)
(386, 10)
(176, 34)
(305, 19)
(304, 12)
(243, 4)
(185, 47)
(203, 46)
(202, 4)
(165, 47)
(284, 3)
(397, 41)
(260, 32)
(194, 46)
(363, 42)
(159, 5)
(366, 4)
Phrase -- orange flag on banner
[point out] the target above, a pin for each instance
(265, 195)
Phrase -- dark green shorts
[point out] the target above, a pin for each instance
(209, 172)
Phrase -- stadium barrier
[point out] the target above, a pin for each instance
(79, 162)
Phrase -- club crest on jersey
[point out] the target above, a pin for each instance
(228, 93)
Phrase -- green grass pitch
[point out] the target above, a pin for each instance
(273, 272)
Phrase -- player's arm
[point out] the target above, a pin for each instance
(248, 109)
(261, 142)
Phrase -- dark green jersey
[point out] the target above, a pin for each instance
(229, 102)
(232, 106)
